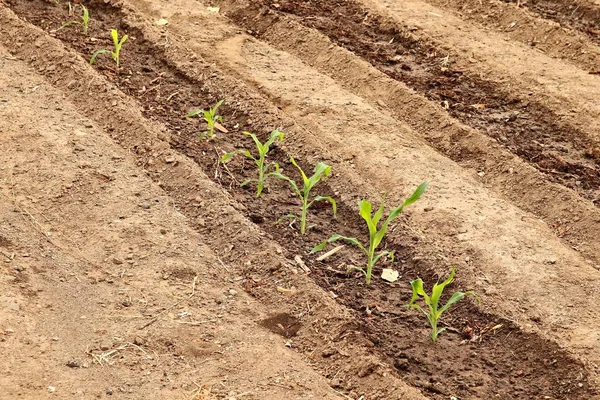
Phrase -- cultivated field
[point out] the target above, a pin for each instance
(134, 264)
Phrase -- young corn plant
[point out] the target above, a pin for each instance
(376, 234)
(321, 170)
(117, 47)
(435, 312)
(263, 167)
(85, 20)
(211, 118)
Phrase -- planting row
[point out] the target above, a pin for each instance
(143, 75)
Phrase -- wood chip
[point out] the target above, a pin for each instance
(220, 127)
(301, 264)
(330, 253)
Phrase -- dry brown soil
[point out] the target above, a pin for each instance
(134, 266)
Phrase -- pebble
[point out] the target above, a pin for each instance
(117, 261)
(233, 292)
(105, 346)
(72, 84)
(145, 205)
(73, 364)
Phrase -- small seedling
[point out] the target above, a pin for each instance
(321, 170)
(263, 169)
(117, 47)
(211, 118)
(375, 235)
(85, 20)
(432, 302)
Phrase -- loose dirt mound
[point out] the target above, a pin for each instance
(136, 266)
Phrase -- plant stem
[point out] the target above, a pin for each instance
(434, 330)
(303, 217)
(261, 173)
(370, 263)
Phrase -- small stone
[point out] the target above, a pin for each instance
(72, 84)
(79, 147)
(138, 341)
(117, 261)
(233, 292)
(401, 364)
(105, 346)
(163, 231)
(19, 268)
(328, 352)
(51, 389)
(73, 364)
(170, 159)
(109, 391)
(145, 205)
(55, 339)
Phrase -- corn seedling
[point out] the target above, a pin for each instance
(117, 47)
(376, 234)
(321, 170)
(263, 169)
(432, 302)
(211, 118)
(85, 20)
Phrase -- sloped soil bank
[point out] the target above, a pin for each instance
(580, 16)
(524, 127)
(481, 355)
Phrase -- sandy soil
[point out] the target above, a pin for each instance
(134, 267)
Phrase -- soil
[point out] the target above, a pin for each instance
(359, 340)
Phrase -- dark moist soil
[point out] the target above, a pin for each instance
(526, 128)
(579, 16)
(480, 356)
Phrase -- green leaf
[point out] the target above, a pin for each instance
(123, 40)
(248, 181)
(193, 113)
(96, 54)
(364, 207)
(438, 289)
(289, 216)
(378, 256)
(416, 194)
(349, 268)
(216, 106)
(68, 23)
(321, 170)
(379, 213)
(115, 37)
(279, 175)
(304, 177)
(319, 247)
(326, 198)
(275, 135)
(259, 145)
(417, 290)
(335, 238)
(227, 157)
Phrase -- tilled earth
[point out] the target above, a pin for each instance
(135, 266)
